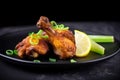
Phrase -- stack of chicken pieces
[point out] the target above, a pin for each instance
(62, 41)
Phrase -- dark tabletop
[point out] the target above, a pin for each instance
(105, 70)
(108, 69)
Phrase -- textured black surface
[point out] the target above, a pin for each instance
(104, 70)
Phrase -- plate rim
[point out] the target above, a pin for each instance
(85, 62)
(30, 62)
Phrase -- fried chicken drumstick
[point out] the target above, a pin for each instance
(32, 46)
(63, 44)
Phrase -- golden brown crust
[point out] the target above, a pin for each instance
(25, 48)
(62, 40)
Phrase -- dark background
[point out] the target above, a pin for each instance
(27, 19)
(27, 13)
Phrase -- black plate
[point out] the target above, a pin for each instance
(9, 37)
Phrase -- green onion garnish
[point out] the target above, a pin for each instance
(36, 61)
(45, 37)
(58, 26)
(15, 52)
(30, 33)
(9, 52)
(34, 41)
(34, 37)
(72, 61)
(39, 33)
(52, 60)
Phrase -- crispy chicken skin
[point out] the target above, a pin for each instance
(44, 21)
(24, 48)
(63, 46)
(66, 33)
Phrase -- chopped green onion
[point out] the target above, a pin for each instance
(30, 33)
(36, 61)
(72, 61)
(34, 38)
(59, 27)
(34, 41)
(53, 23)
(40, 32)
(66, 28)
(15, 52)
(45, 37)
(52, 60)
(9, 52)
(102, 38)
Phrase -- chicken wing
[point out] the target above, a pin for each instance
(62, 30)
(63, 45)
(66, 33)
(26, 48)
